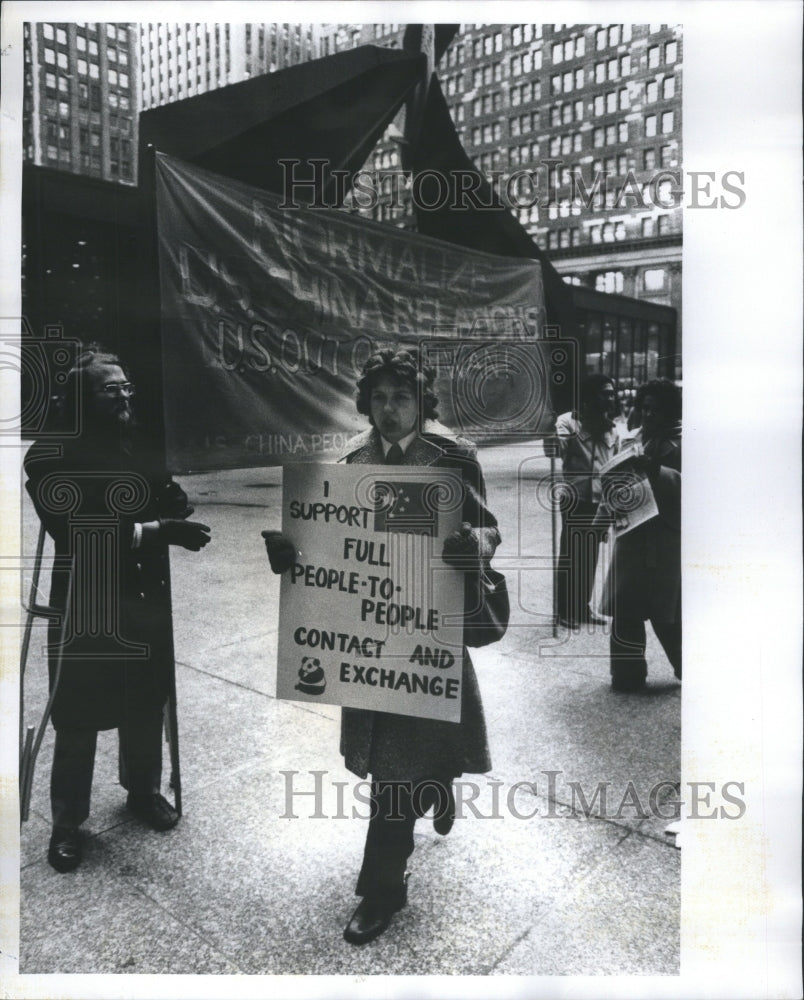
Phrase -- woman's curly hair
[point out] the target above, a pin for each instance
(667, 394)
(402, 365)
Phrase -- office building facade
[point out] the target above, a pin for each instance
(80, 103)
(579, 128)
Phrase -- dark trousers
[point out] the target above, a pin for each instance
(577, 560)
(627, 646)
(140, 765)
(395, 807)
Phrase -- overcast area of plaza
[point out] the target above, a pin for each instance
(525, 884)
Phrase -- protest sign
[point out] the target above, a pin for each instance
(627, 491)
(369, 615)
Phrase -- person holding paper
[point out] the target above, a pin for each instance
(412, 761)
(644, 581)
(112, 512)
(586, 439)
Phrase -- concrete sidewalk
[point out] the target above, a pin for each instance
(526, 884)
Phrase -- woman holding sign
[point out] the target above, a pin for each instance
(412, 761)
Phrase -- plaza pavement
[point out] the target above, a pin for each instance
(532, 881)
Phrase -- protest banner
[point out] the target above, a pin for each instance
(369, 615)
(269, 313)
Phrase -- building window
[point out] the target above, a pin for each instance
(113, 77)
(600, 73)
(670, 52)
(111, 30)
(622, 132)
(650, 125)
(93, 47)
(50, 81)
(667, 156)
(81, 43)
(594, 234)
(64, 109)
(94, 71)
(47, 31)
(652, 91)
(648, 227)
(61, 36)
(50, 56)
(664, 224)
(667, 122)
(649, 159)
(609, 281)
(654, 279)
(608, 233)
(653, 57)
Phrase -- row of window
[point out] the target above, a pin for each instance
(85, 68)
(60, 133)
(612, 35)
(612, 166)
(570, 48)
(51, 32)
(668, 89)
(562, 114)
(90, 161)
(654, 279)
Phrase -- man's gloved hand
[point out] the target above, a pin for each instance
(174, 501)
(189, 534)
(281, 551)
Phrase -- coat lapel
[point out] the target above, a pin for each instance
(368, 451)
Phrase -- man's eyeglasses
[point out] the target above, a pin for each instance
(120, 389)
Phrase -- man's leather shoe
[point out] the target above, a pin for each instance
(65, 850)
(442, 823)
(370, 919)
(154, 809)
(628, 680)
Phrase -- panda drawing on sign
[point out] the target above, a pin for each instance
(311, 676)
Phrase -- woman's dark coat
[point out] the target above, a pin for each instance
(405, 748)
(644, 580)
